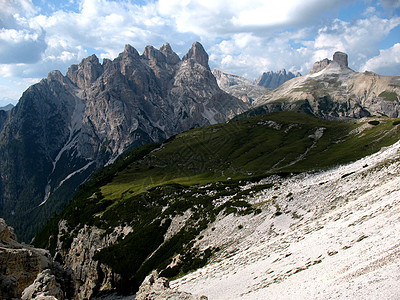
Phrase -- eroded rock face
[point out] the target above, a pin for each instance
(20, 265)
(157, 288)
(340, 58)
(91, 277)
(320, 65)
(44, 286)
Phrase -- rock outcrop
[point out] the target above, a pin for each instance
(272, 80)
(21, 266)
(339, 58)
(157, 288)
(238, 87)
(91, 276)
(65, 127)
(45, 286)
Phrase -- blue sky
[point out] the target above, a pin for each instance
(241, 37)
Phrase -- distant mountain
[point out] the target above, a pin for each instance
(272, 80)
(7, 107)
(333, 90)
(239, 87)
(65, 127)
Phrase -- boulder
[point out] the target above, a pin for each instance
(157, 288)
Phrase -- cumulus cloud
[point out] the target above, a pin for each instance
(298, 50)
(386, 63)
(359, 39)
(21, 41)
(242, 37)
(234, 16)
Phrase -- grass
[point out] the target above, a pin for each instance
(389, 96)
(151, 185)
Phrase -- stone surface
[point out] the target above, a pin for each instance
(320, 65)
(91, 277)
(157, 288)
(20, 265)
(45, 286)
(341, 58)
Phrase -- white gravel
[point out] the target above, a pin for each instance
(337, 238)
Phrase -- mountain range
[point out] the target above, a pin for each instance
(333, 90)
(65, 127)
(200, 185)
(272, 80)
(247, 90)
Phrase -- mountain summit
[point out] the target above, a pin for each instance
(65, 127)
(333, 90)
(340, 60)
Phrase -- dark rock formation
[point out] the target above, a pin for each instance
(340, 58)
(272, 80)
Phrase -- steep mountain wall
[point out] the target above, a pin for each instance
(65, 127)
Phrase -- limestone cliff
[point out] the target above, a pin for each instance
(20, 265)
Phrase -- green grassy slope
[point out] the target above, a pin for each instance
(154, 183)
(252, 147)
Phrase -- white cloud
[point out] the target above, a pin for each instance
(242, 37)
(21, 41)
(296, 51)
(232, 16)
(359, 39)
(386, 63)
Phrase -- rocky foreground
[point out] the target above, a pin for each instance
(30, 273)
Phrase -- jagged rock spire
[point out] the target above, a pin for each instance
(341, 58)
(198, 54)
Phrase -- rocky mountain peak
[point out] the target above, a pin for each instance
(84, 74)
(130, 50)
(340, 58)
(153, 54)
(55, 75)
(272, 79)
(170, 55)
(198, 54)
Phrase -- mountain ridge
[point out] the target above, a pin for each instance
(65, 127)
(333, 90)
